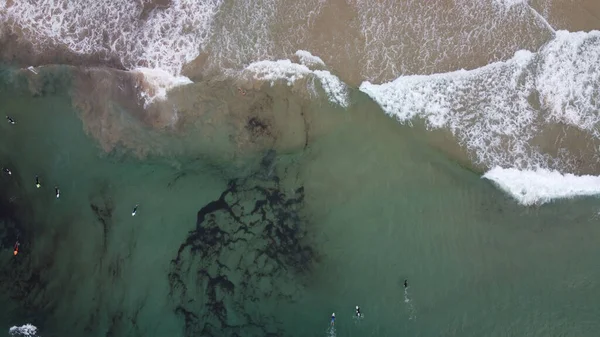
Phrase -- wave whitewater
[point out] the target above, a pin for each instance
(505, 113)
(531, 187)
(27, 330)
(291, 72)
(500, 112)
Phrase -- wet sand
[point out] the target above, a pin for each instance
(571, 15)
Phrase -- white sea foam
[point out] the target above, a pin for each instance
(290, 72)
(569, 79)
(424, 37)
(166, 38)
(510, 3)
(158, 83)
(493, 110)
(540, 186)
(309, 59)
(272, 71)
(336, 90)
(27, 330)
(247, 31)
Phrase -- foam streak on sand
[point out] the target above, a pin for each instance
(290, 72)
(496, 110)
(540, 186)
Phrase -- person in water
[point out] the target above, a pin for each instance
(7, 171)
(57, 191)
(358, 314)
(405, 283)
(333, 318)
(37, 182)
(16, 248)
(10, 120)
(134, 210)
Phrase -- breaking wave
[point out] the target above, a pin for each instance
(500, 112)
(497, 110)
(291, 72)
(530, 187)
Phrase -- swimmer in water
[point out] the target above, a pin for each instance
(405, 283)
(7, 171)
(10, 120)
(358, 314)
(134, 210)
(333, 318)
(37, 182)
(57, 191)
(16, 248)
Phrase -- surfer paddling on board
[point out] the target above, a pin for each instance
(7, 171)
(134, 210)
(10, 120)
(358, 314)
(57, 191)
(37, 182)
(16, 248)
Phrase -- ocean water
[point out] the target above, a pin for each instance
(273, 243)
(287, 160)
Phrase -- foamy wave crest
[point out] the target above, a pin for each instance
(27, 330)
(290, 72)
(272, 71)
(540, 186)
(496, 111)
(157, 82)
(309, 59)
(137, 33)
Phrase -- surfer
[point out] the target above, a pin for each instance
(10, 120)
(333, 318)
(37, 182)
(134, 210)
(16, 248)
(7, 171)
(57, 191)
(358, 314)
(405, 283)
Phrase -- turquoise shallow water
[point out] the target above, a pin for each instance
(274, 242)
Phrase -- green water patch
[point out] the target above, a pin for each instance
(273, 242)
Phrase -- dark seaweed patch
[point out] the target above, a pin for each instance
(102, 207)
(245, 245)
